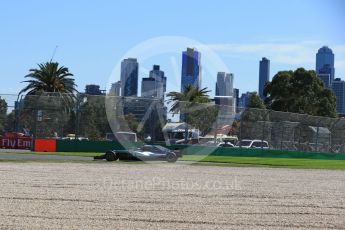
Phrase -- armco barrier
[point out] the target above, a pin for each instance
(87, 146)
(102, 146)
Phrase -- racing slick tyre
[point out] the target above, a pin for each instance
(171, 157)
(101, 157)
(111, 156)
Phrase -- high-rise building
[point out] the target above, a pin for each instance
(325, 62)
(129, 77)
(236, 96)
(224, 85)
(264, 75)
(326, 78)
(243, 102)
(338, 87)
(155, 84)
(148, 87)
(160, 81)
(191, 68)
(224, 89)
(115, 89)
(159, 76)
(224, 97)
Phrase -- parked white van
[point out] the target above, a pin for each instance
(252, 144)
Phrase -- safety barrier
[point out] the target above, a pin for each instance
(15, 142)
(88, 146)
(45, 145)
(102, 146)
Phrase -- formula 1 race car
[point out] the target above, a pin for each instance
(145, 153)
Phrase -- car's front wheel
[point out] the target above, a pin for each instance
(111, 156)
(171, 157)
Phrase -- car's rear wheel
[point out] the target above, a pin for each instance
(111, 156)
(171, 157)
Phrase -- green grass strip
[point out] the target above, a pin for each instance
(268, 162)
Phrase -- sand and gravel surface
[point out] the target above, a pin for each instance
(168, 196)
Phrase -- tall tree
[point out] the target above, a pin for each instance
(50, 90)
(51, 78)
(255, 101)
(300, 91)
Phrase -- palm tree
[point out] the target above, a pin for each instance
(189, 97)
(188, 101)
(52, 80)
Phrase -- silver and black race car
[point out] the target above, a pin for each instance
(145, 153)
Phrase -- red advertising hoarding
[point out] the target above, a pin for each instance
(15, 142)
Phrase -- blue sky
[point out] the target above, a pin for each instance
(92, 37)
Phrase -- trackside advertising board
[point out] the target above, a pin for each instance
(15, 142)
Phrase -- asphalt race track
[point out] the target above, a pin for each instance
(168, 196)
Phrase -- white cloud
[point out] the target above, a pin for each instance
(288, 53)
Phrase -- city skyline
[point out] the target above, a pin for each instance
(242, 91)
(322, 64)
(224, 81)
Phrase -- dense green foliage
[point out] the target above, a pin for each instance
(300, 91)
(255, 101)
